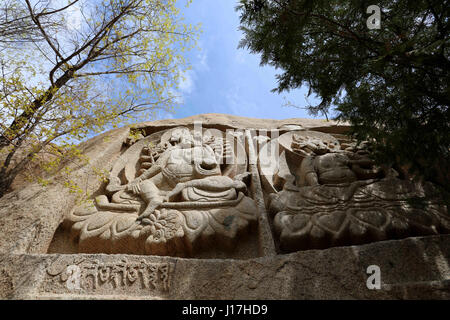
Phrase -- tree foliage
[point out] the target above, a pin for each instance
(73, 68)
(391, 83)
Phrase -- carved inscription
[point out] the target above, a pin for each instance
(115, 275)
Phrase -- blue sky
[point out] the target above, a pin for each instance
(228, 80)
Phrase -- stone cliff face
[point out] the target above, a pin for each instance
(226, 200)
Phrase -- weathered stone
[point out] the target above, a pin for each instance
(322, 196)
(236, 194)
(413, 268)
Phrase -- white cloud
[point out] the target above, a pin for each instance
(177, 96)
(202, 63)
(186, 86)
(186, 83)
(73, 17)
(239, 105)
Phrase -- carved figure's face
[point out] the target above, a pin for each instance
(182, 137)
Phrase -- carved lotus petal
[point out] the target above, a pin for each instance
(293, 222)
(357, 229)
(334, 222)
(83, 212)
(124, 223)
(99, 221)
(376, 217)
(317, 233)
(399, 226)
(160, 165)
(224, 221)
(419, 216)
(392, 189)
(195, 219)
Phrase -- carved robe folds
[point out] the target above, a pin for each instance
(185, 192)
(322, 196)
(162, 200)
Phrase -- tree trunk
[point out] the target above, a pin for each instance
(5, 183)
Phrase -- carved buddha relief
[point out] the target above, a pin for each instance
(322, 196)
(172, 193)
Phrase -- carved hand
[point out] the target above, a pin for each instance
(134, 186)
(239, 185)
